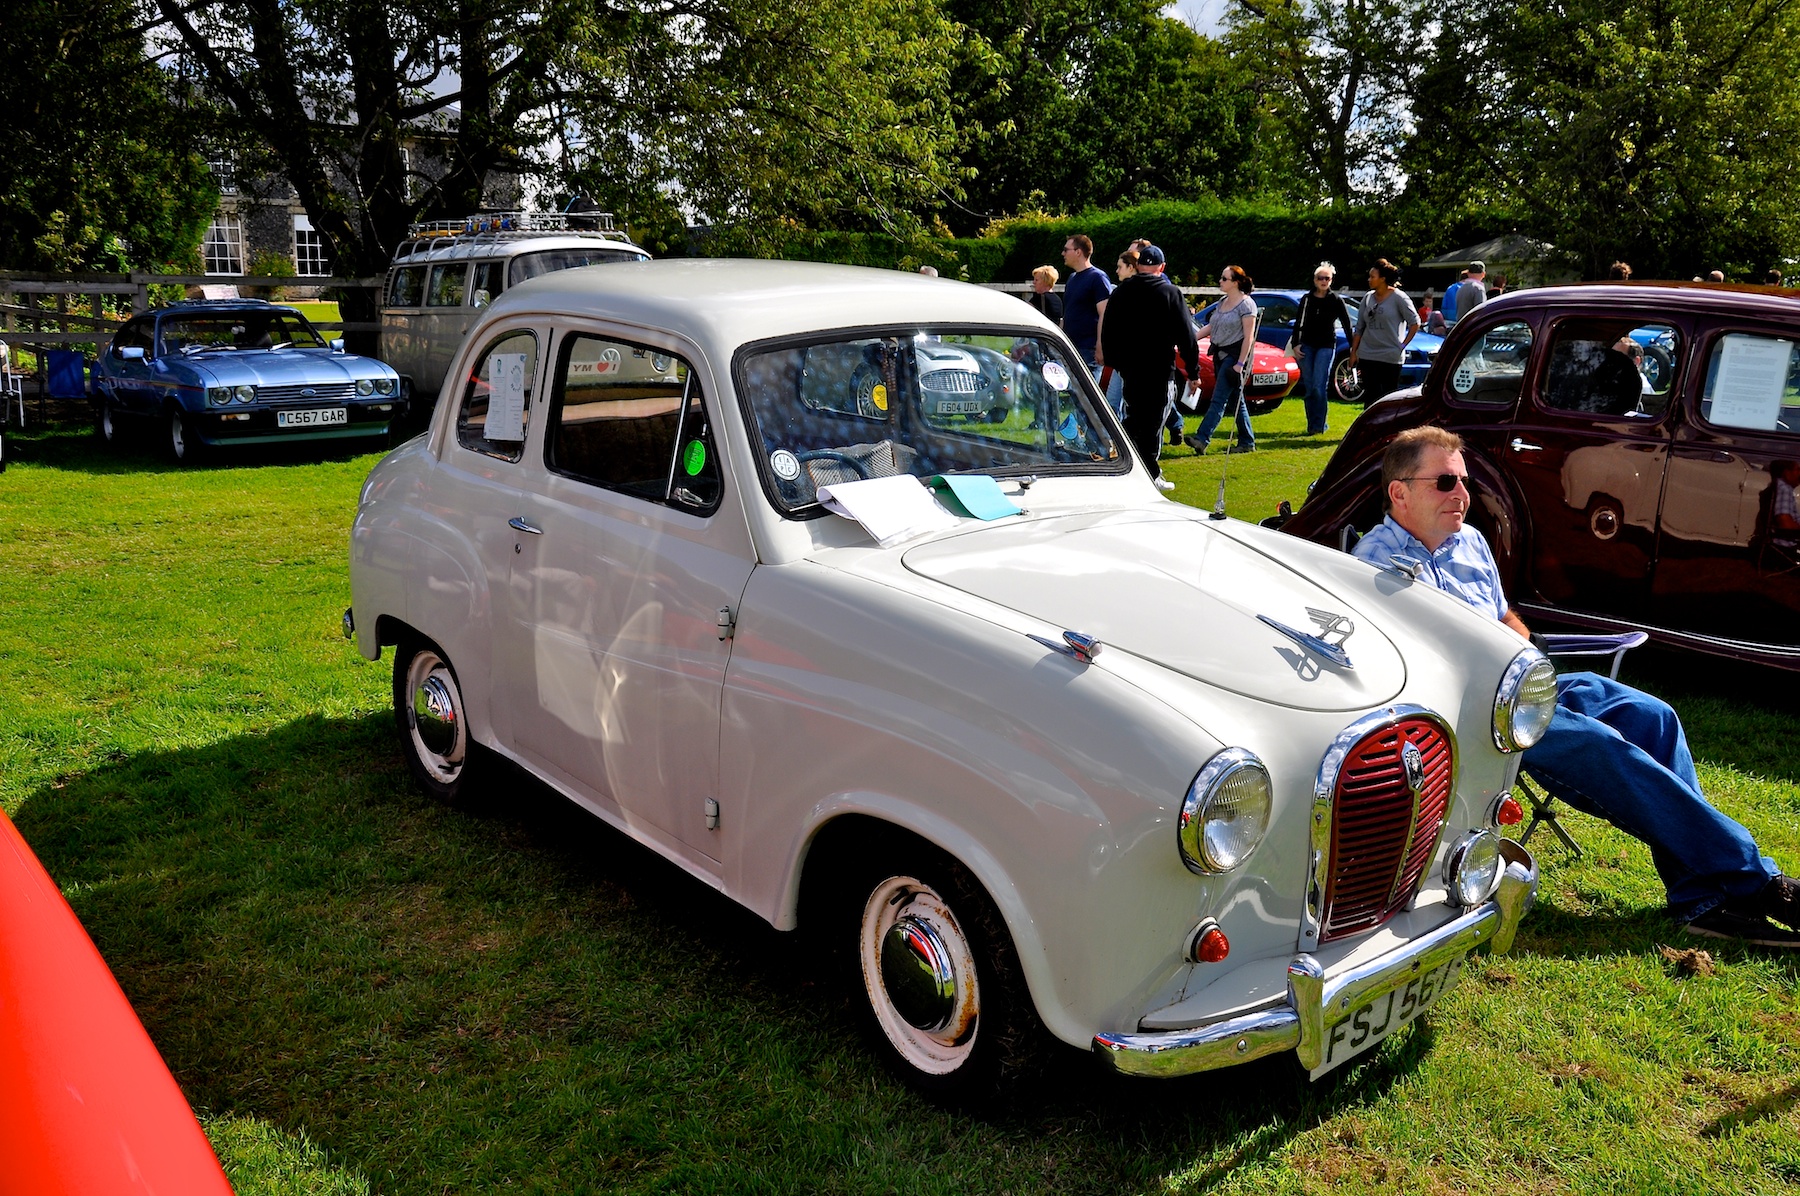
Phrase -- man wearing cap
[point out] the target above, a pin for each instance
(1146, 324)
(1470, 293)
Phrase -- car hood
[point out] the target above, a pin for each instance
(277, 368)
(1175, 591)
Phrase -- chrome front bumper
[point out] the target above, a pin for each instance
(1299, 1023)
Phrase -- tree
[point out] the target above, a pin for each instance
(1666, 132)
(102, 170)
(1334, 78)
(1090, 103)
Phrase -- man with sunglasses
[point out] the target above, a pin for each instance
(1611, 751)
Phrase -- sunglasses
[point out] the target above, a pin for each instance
(1446, 482)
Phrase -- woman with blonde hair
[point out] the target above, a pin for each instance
(1043, 294)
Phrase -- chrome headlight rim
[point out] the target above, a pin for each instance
(365, 387)
(1509, 735)
(219, 396)
(1473, 868)
(1196, 853)
(245, 394)
(384, 386)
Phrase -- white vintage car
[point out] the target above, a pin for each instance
(960, 690)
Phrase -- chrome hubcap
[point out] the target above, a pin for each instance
(434, 714)
(916, 971)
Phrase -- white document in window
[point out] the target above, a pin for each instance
(1746, 392)
(506, 396)
(890, 509)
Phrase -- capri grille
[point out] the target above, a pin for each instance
(1383, 828)
(321, 392)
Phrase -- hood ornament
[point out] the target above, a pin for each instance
(1328, 645)
(1081, 646)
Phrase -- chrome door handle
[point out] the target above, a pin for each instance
(523, 524)
(1525, 446)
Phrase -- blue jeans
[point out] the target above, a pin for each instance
(1315, 381)
(1619, 754)
(1227, 395)
(1115, 389)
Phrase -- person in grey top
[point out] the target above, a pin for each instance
(1471, 292)
(1389, 322)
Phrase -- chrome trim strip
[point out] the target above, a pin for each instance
(1299, 1022)
(1312, 912)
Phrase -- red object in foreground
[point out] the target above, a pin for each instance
(1214, 946)
(1509, 812)
(87, 1107)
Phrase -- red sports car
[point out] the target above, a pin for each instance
(1273, 373)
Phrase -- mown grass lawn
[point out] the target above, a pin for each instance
(364, 991)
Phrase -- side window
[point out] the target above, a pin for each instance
(446, 287)
(1278, 311)
(134, 335)
(490, 280)
(1610, 368)
(1492, 370)
(632, 419)
(407, 287)
(496, 405)
(1753, 382)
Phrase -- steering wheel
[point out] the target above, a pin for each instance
(860, 469)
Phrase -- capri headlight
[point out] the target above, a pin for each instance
(1472, 869)
(218, 396)
(365, 386)
(384, 386)
(1524, 702)
(1226, 812)
(246, 394)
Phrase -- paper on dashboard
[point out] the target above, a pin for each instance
(506, 397)
(889, 509)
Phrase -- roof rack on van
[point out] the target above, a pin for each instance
(487, 227)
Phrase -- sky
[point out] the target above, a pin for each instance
(1207, 16)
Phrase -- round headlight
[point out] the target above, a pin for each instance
(384, 386)
(659, 362)
(1525, 701)
(246, 393)
(1472, 868)
(365, 386)
(218, 396)
(1226, 812)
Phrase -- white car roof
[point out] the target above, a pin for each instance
(725, 302)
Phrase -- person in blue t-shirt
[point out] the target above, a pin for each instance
(1084, 298)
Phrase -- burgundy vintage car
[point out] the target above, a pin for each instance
(1634, 449)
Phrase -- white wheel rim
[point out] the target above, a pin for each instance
(106, 422)
(176, 439)
(428, 679)
(939, 1050)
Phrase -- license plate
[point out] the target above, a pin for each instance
(1375, 1020)
(313, 418)
(1268, 379)
(959, 407)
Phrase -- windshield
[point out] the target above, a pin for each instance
(920, 403)
(548, 261)
(254, 329)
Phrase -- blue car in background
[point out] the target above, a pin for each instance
(238, 371)
(1279, 311)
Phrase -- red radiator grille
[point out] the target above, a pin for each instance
(1382, 833)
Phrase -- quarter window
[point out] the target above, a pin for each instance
(446, 286)
(1753, 382)
(1611, 368)
(496, 406)
(1492, 370)
(407, 287)
(633, 419)
(490, 280)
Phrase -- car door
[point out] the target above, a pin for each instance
(1725, 567)
(1585, 453)
(632, 550)
(130, 376)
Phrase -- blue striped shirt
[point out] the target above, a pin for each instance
(1462, 567)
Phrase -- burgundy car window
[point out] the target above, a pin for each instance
(1492, 369)
(1610, 368)
(1753, 382)
(496, 405)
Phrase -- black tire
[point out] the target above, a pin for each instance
(1659, 367)
(1346, 381)
(183, 446)
(944, 997)
(429, 716)
(106, 422)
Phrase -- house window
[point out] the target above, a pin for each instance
(224, 171)
(223, 249)
(309, 250)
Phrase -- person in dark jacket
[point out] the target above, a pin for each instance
(1146, 325)
(1315, 343)
(1043, 294)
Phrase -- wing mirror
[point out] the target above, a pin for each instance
(132, 353)
(337, 345)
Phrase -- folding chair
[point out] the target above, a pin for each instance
(1543, 806)
(12, 387)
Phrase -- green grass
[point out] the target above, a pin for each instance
(361, 990)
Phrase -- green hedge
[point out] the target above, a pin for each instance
(973, 259)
